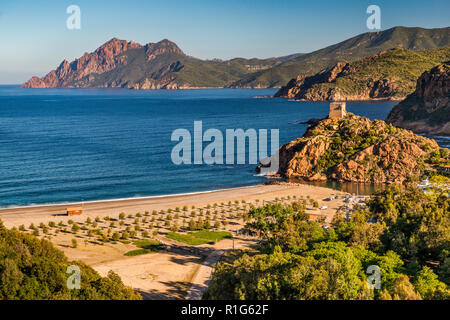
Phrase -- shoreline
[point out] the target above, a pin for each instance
(132, 89)
(75, 203)
(45, 213)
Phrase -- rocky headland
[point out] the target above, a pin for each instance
(356, 149)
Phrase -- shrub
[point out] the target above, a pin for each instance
(47, 279)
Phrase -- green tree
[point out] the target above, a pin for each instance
(429, 287)
(116, 236)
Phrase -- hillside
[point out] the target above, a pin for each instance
(355, 48)
(402, 231)
(33, 269)
(163, 65)
(356, 149)
(391, 74)
(427, 109)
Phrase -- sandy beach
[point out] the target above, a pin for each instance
(35, 214)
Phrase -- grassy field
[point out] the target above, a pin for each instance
(146, 246)
(200, 237)
(212, 235)
(137, 252)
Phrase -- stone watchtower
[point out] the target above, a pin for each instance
(337, 110)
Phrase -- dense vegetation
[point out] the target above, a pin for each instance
(347, 141)
(405, 232)
(33, 269)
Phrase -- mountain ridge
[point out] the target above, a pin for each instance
(163, 65)
(390, 74)
(359, 46)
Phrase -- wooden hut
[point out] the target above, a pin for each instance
(72, 211)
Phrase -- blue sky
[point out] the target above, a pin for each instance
(34, 38)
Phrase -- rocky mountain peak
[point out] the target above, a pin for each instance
(434, 83)
(152, 50)
(103, 59)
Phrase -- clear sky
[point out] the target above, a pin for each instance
(34, 37)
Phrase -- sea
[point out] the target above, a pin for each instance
(71, 145)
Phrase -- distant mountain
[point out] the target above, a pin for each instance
(363, 45)
(427, 110)
(163, 65)
(391, 74)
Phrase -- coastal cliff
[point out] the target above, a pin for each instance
(356, 149)
(427, 110)
(391, 74)
(104, 59)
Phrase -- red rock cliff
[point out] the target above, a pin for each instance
(104, 59)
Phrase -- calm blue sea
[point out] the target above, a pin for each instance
(64, 145)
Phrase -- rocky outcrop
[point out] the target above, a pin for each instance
(427, 110)
(388, 75)
(104, 59)
(356, 149)
(300, 88)
(152, 50)
(168, 83)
